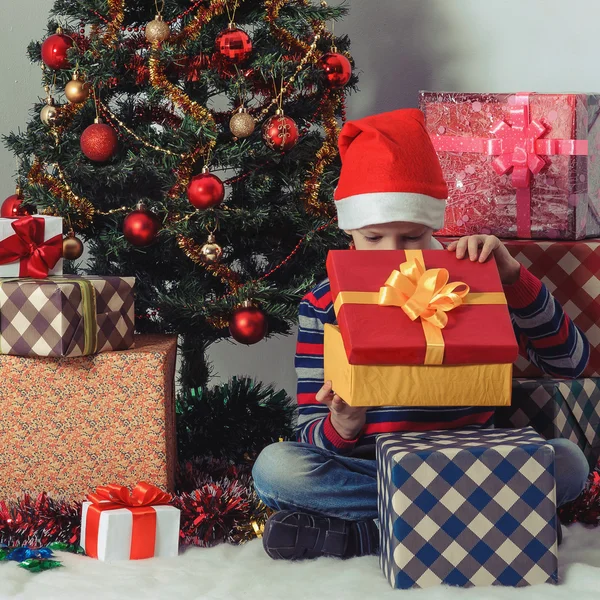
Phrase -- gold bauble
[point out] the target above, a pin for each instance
(72, 247)
(157, 30)
(242, 124)
(77, 91)
(49, 114)
(211, 251)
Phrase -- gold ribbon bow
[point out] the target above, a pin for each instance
(425, 294)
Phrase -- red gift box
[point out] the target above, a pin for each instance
(518, 165)
(571, 272)
(383, 335)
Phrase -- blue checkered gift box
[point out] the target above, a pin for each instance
(467, 507)
(557, 408)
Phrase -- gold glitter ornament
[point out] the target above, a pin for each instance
(157, 30)
(242, 124)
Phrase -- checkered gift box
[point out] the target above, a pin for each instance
(571, 271)
(467, 507)
(66, 316)
(557, 409)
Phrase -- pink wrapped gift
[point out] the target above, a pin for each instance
(518, 165)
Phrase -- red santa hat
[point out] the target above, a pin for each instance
(390, 172)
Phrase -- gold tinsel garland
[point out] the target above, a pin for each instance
(116, 12)
(202, 115)
(192, 30)
(61, 189)
(223, 272)
(324, 157)
(283, 35)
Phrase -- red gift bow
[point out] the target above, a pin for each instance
(517, 147)
(140, 502)
(36, 255)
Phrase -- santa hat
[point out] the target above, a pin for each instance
(390, 172)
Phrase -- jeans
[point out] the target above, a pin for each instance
(297, 476)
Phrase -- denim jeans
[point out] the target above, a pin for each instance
(297, 476)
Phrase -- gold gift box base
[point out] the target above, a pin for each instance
(414, 385)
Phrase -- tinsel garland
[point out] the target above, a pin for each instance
(325, 155)
(280, 33)
(59, 188)
(586, 508)
(116, 12)
(217, 502)
(193, 252)
(192, 30)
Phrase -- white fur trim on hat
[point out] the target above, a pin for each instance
(362, 210)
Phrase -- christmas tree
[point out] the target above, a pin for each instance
(193, 145)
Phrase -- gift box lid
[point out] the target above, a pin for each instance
(385, 335)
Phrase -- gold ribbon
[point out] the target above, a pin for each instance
(425, 294)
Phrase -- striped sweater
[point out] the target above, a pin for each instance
(546, 335)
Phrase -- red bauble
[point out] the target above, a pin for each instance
(248, 324)
(234, 44)
(99, 142)
(205, 190)
(337, 68)
(54, 51)
(141, 227)
(280, 133)
(12, 207)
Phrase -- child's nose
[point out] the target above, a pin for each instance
(393, 244)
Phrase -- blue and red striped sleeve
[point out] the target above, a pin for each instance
(314, 420)
(546, 334)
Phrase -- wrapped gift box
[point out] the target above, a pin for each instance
(31, 246)
(132, 528)
(518, 165)
(66, 316)
(378, 356)
(72, 424)
(557, 408)
(467, 508)
(571, 272)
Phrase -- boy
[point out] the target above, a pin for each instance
(391, 195)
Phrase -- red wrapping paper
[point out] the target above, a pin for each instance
(375, 335)
(564, 194)
(571, 272)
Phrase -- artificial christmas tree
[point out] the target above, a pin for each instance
(156, 87)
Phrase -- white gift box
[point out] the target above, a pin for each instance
(53, 227)
(115, 531)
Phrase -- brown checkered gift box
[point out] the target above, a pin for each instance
(571, 272)
(66, 316)
(70, 425)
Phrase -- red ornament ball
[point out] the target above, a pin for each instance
(12, 207)
(141, 227)
(205, 191)
(234, 44)
(280, 133)
(54, 51)
(248, 324)
(337, 68)
(99, 142)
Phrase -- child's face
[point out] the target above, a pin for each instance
(392, 236)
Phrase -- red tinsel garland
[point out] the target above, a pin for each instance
(217, 502)
(586, 508)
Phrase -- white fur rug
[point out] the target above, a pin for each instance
(246, 573)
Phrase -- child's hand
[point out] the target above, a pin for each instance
(347, 420)
(482, 247)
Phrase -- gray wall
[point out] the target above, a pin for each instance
(400, 46)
